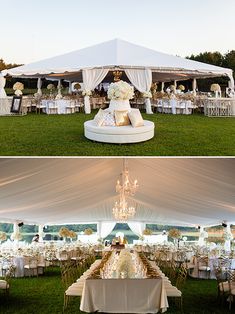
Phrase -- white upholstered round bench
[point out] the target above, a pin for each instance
(119, 134)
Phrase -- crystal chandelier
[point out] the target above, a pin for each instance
(127, 184)
(121, 210)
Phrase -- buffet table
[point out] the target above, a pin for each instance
(124, 296)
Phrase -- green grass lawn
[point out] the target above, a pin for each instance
(63, 135)
(45, 295)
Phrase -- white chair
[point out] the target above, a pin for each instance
(5, 283)
(40, 107)
(79, 105)
(52, 107)
(31, 267)
(71, 107)
(166, 107)
(211, 108)
(203, 266)
(63, 256)
(158, 105)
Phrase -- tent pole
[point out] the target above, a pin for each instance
(162, 89)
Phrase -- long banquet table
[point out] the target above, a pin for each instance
(124, 296)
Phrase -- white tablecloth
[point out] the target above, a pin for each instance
(61, 104)
(124, 296)
(5, 106)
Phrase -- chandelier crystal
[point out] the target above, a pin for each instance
(125, 187)
(127, 184)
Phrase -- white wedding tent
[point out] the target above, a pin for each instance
(92, 65)
(184, 192)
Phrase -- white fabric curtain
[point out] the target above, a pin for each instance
(2, 85)
(91, 79)
(39, 86)
(194, 86)
(40, 232)
(70, 87)
(137, 227)
(142, 80)
(227, 243)
(231, 81)
(59, 95)
(105, 228)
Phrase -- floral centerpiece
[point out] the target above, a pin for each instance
(88, 231)
(18, 87)
(72, 234)
(3, 236)
(147, 232)
(215, 88)
(64, 232)
(147, 94)
(181, 87)
(172, 88)
(77, 86)
(50, 87)
(120, 91)
(174, 233)
(86, 92)
(125, 266)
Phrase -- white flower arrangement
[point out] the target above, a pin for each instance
(120, 91)
(172, 88)
(3, 236)
(16, 236)
(125, 264)
(18, 86)
(147, 95)
(87, 92)
(181, 87)
(18, 92)
(50, 87)
(215, 88)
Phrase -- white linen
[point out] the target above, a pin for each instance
(142, 80)
(124, 296)
(2, 85)
(60, 103)
(5, 106)
(91, 79)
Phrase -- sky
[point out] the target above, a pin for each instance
(33, 30)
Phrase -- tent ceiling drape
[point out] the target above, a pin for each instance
(178, 192)
(124, 55)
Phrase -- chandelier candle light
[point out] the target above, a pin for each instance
(125, 187)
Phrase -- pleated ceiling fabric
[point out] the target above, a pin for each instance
(182, 192)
